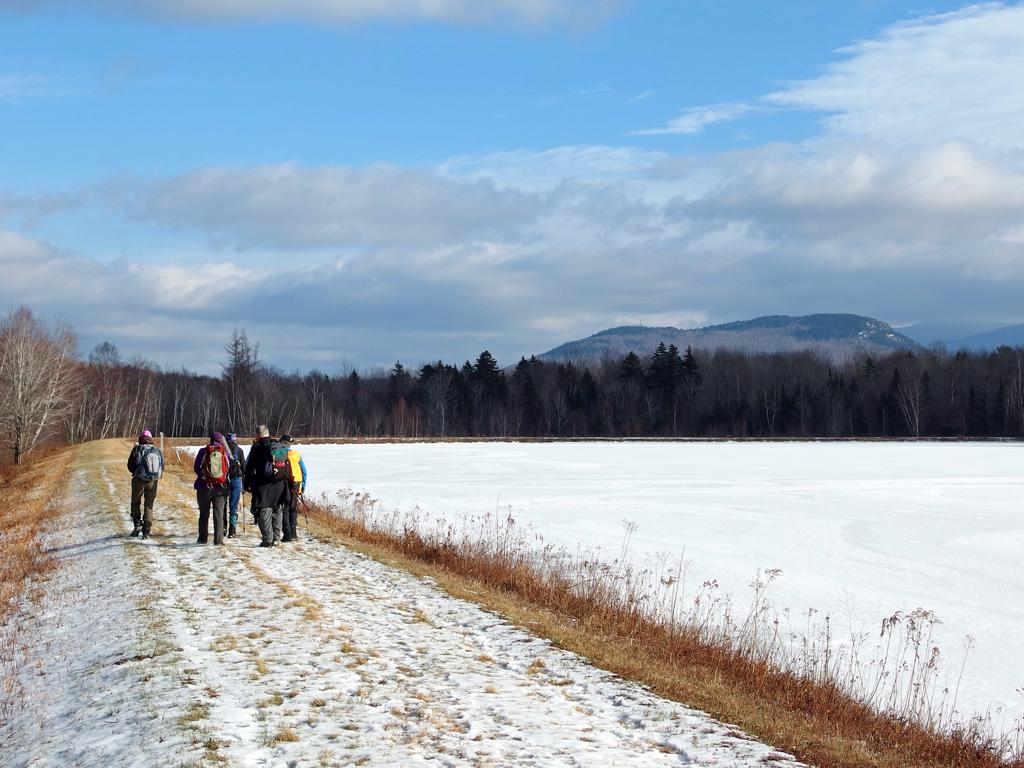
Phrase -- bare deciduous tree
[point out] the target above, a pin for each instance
(37, 369)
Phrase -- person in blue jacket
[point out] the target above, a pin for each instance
(297, 486)
(237, 456)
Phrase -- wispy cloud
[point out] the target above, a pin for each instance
(18, 88)
(948, 76)
(696, 119)
(643, 96)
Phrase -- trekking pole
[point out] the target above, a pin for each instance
(305, 510)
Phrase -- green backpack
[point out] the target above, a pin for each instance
(279, 467)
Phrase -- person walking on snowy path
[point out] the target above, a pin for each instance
(146, 463)
(236, 457)
(213, 486)
(296, 487)
(266, 478)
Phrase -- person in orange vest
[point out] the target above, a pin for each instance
(297, 486)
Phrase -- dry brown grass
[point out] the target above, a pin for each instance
(285, 734)
(30, 499)
(738, 676)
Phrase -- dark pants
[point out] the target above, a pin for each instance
(290, 522)
(143, 489)
(218, 499)
(269, 520)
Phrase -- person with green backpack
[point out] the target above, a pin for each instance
(266, 478)
(146, 463)
(213, 486)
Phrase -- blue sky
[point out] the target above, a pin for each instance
(437, 179)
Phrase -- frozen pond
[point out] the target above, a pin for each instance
(860, 530)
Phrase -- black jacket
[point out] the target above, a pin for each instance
(265, 492)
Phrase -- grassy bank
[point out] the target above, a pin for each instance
(30, 500)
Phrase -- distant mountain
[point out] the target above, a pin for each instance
(837, 336)
(1010, 336)
(972, 335)
(943, 331)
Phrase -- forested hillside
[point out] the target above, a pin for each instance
(837, 337)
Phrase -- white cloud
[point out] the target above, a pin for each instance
(293, 206)
(696, 119)
(949, 76)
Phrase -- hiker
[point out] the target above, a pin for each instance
(146, 464)
(296, 487)
(237, 468)
(266, 478)
(213, 486)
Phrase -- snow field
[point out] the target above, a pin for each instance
(859, 530)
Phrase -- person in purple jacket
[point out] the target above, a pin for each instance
(213, 486)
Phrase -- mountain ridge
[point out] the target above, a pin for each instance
(834, 335)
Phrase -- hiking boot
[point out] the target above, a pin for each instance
(231, 532)
(201, 540)
(265, 544)
(145, 534)
(136, 530)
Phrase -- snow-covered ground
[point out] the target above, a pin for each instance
(860, 530)
(169, 653)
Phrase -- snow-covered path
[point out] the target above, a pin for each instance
(313, 655)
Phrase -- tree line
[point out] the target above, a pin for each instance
(46, 391)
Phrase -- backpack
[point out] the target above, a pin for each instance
(215, 465)
(278, 468)
(236, 469)
(148, 464)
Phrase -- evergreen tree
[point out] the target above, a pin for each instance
(399, 384)
(489, 375)
(631, 369)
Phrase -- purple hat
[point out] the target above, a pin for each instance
(146, 433)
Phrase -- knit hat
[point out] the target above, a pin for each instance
(286, 438)
(232, 437)
(216, 437)
(146, 433)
